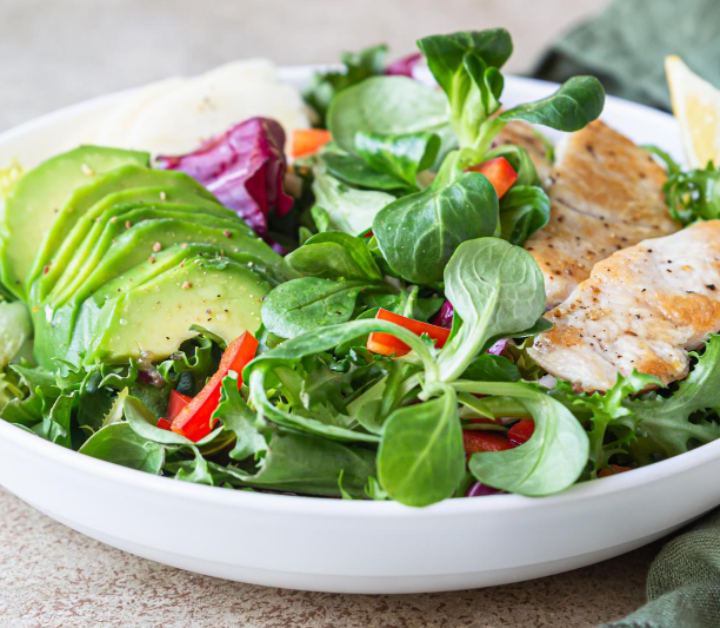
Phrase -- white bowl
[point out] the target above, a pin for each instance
(353, 546)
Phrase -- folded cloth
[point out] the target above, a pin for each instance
(625, 47)
(683, 586)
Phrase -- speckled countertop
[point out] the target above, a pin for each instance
(53, 577)
(55, 52)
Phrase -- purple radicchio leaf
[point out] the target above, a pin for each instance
(404, 66)
(444, 319)
(244, 167)
(477, 489)
(498, 347)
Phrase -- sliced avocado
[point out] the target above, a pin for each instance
(116, 221)
(97, 245)
(154, 319)
(78, 316)
(54, 323)
(97, 289)
(31, 207)
(117, 181)
(55, 265)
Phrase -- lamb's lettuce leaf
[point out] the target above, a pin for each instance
(389, 105)
(550, 461)
(322, 87)
(344, 208)
(335, 255)
(524, 209)
(418, 233)
(575, 104)
(467, 66)
(403, 156)
(497, 290)
(421, 457)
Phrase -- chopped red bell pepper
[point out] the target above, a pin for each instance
(475, 441)
(499, 172)
(387, 344)
(521, 432)
(613, 470)
(177, 402)
(163, 424)
(308, 141)
(194, 420)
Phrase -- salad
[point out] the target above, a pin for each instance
(358, 323)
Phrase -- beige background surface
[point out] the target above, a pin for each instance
(56, 52)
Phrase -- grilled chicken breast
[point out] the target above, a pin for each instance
(642, 308)
(523, 135)
(606, 194)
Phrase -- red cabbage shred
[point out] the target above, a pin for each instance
(404, 66)
(244, 167)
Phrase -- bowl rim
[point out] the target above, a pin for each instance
(309, 505)
(298, 505)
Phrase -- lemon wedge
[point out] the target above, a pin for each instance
(696, 104)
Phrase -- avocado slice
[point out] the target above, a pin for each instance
(108, 280)
(56, 259)
(154, 319)
(54, 323)
(163, 183)
(115, 222)
(98, 242)
(31, 207)
(78, 316)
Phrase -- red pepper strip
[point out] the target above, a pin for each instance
(367, 234)
(613, 470)
(386, 344)
(177, 402)
(194, 420)
(163, 424)
(521, 432)
(499, 172)
(308, 141)
(475, 442)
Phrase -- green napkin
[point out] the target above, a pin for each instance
(625, 47)
(683, 585)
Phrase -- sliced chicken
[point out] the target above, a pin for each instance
(606, 194)
(642, 308)
(523, 135)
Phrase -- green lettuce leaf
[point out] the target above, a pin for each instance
(322, 87)
(667, 426)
